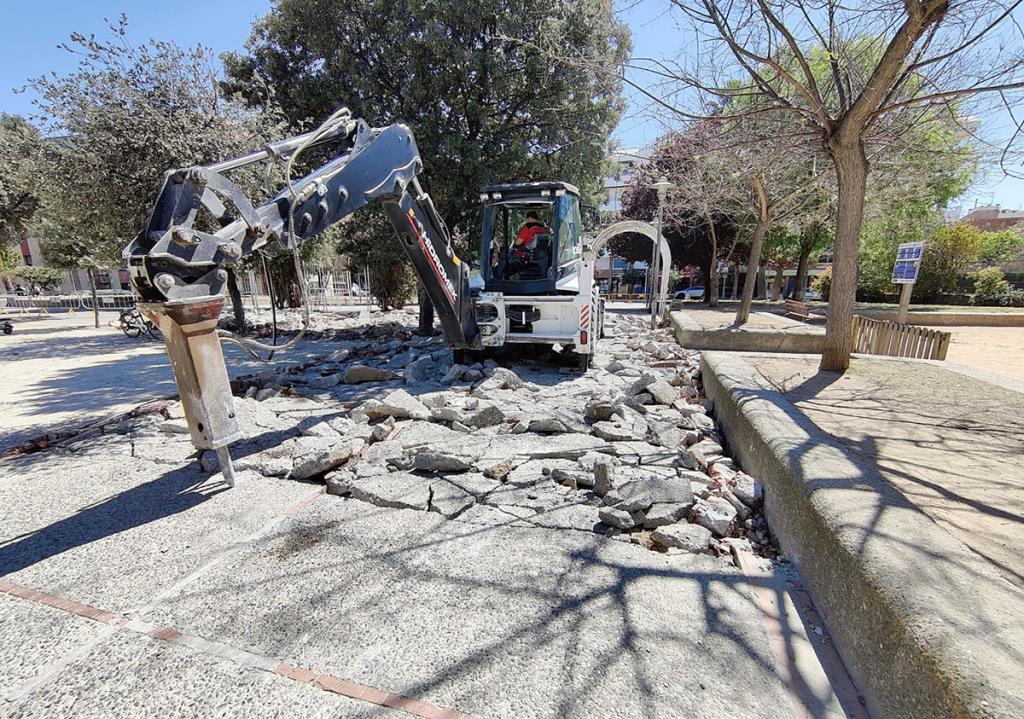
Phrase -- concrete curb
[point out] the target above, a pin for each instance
(951, 319)
(926, 628)
(798, 338)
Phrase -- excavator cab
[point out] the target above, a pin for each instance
(532, 238)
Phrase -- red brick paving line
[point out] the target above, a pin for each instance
(325, 682)
(832, 663)
(304, 502)
(82, 610)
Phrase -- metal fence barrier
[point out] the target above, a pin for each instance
(44, 304)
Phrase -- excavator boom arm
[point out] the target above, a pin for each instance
(203, 224)
(177, 257)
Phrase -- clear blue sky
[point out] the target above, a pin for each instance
(32, 31)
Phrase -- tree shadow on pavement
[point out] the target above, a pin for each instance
(900, 566)
(174, 492)
(950, 461)
(592, 624)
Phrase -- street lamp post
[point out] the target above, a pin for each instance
(658, 289)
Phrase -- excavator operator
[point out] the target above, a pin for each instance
(525, 246)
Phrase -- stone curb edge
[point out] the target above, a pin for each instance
(745, 339)
(895, 619)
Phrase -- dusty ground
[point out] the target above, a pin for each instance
(132, 583)
(711, 318)
(60, 371)
(950, 443)
(999, 350)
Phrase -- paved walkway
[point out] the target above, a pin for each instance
(133, 585)
(723, 317)
(60, 371)
(951, 443)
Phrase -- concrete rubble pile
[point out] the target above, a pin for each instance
(629, 450)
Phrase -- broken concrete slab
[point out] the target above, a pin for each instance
(688, 537)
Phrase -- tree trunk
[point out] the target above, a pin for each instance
(237, 305)
(95, 300)
(851, 173)
(777, 284)
(754, 262)
(426, 323)
(753, 273)
(735, 280)
(801, 274)
(712, 286)
(712, 283)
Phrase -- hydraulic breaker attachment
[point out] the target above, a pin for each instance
(189, 327)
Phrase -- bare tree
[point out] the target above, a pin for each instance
(851, 78)
(708, 188)
(749, 174)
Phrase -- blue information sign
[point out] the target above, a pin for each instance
(908, 262)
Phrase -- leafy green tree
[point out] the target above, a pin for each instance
(9, 260)
(781, 247)
(906, 194)
(368, 244)
(947, 254)
(19, 197)
(126, 115)
(485, 101)
(890, 67)
(46, 277)
(815, 236)
(822, 284)
(1001, 246)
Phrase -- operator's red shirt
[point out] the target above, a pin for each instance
(527, 234)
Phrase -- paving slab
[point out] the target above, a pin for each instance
(33, 636)
(496, 621)
(132, 676)
(110, 530)
(714, 329)
(928, 626)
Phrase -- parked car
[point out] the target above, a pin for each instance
(690, 293)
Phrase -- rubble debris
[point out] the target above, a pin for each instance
(357, 374)
(627, 451)
(688, 537)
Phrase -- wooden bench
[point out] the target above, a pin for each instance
(798, 309)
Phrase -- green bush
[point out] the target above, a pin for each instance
(989, 285)
(992, 290)
(1012, 298)
(46, 277)
(946, 255)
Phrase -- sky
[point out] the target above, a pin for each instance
(33, 30)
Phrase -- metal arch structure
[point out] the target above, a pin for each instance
(650, 232)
